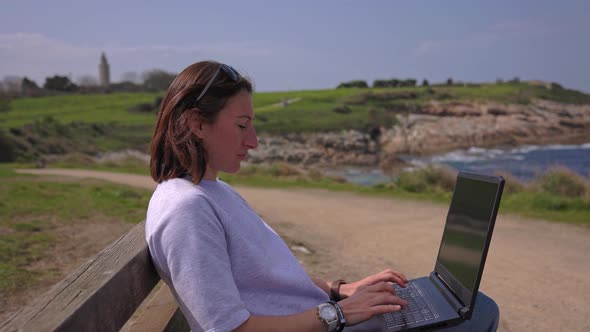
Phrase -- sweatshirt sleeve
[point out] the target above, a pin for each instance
(190, 246)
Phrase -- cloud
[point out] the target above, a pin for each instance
(238, 48)
(38, 56)
(31, 44)
(515, 26)
(485, 38)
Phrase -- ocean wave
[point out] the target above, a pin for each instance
(479, 155)
(530, 148)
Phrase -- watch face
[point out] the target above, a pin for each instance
(328, 313)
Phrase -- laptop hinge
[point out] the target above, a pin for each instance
(453, 300)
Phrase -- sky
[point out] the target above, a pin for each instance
(303, 44)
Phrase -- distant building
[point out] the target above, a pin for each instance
(104, 74)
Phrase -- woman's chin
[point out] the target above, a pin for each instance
(232, 170)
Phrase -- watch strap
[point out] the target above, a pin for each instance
(335, 289)
(341, 318)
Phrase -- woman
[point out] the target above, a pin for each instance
(226, 267)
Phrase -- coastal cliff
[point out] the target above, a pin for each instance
(433, 128)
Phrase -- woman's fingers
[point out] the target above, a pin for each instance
(383, 293)
(386, 299)
(385, 308)
(381, 287)
(388, 275)
(396, 277)
(370, 301)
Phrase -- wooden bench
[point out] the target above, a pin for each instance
(104, 293)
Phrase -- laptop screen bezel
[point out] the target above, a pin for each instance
(462, 293)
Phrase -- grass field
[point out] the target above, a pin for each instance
(314, 111)
(32, 208)
(558, 196)
(94, 123)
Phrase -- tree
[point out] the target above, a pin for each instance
(353, 84)
(410, 82)
(515, 80)
(11, 85)
(157, 79)
(30, 88)
(394, 83)
(130, 76)
(7, 148)
(425, 82)
(449, 81)
(87, 81)
(59, 83)
(379, 83)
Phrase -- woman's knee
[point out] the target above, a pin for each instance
(487, 312)
(487, 305)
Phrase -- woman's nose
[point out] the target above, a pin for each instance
(251, 139)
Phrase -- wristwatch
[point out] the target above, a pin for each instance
(328, 314)
(331, 314)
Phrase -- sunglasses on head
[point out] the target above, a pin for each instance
(229, 72)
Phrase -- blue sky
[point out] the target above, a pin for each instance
(303, 44)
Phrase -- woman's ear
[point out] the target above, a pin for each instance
(196, 125)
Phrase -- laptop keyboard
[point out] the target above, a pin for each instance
(419, 308)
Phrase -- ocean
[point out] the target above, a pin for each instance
(524, 162)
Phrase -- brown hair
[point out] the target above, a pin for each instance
(175, 150)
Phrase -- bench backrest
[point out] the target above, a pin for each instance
(100, 296)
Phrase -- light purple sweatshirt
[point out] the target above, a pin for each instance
(222, 262)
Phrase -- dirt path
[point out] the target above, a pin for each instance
(536, 271)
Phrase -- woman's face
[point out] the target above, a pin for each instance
(229, 138)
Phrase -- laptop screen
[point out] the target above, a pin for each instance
(463, 247)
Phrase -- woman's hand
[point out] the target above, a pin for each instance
(347, 290)
(370, 300)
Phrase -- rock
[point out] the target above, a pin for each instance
(301, 249)
(435, 128)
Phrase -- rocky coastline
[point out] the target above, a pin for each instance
(434, 128)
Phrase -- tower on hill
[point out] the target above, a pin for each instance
(104, 73)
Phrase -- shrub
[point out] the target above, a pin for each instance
(157, 80)
(142, 108)
(386, 83)
(4, 105)
(343, 109)
(546, 201)
(317, 175)
(60, 83)
(358, 99)
(7, 148)
(353, 84)
(380, 117)
(513, 184)
(431, 178)
(157, 102)
(559, 180)
(276, 169)
(284, 169)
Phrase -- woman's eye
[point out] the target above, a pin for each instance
(242, 127)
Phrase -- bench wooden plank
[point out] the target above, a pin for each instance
(161, 313)
(100, 296)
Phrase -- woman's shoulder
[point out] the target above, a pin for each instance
(177, 202)
(177, 190)
(179, 196)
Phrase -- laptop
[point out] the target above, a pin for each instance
(447, 296)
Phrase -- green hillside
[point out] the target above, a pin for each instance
(100, 122)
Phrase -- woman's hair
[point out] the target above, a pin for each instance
(175, 150)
